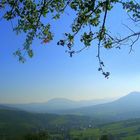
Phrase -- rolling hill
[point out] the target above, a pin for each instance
(14, 124)
(7, 107)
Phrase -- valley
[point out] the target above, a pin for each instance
(116, 120)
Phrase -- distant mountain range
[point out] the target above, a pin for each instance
(124, 108)
(56, 105)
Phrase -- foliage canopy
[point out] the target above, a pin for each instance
(89, 13)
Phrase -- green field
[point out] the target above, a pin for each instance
(124, 130)
(14, 124)
(20, 125)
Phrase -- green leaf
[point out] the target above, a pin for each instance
(30, 53)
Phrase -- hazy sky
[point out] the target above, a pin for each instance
(52, 73)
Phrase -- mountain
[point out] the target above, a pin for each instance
(62, 103)
(56, 105)
(126, 107)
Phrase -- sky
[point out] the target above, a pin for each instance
(51, 73)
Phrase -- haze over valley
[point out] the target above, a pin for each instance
(73, 115)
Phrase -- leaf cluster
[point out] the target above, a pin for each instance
(91, 15)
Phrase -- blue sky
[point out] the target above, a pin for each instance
(51, 73)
